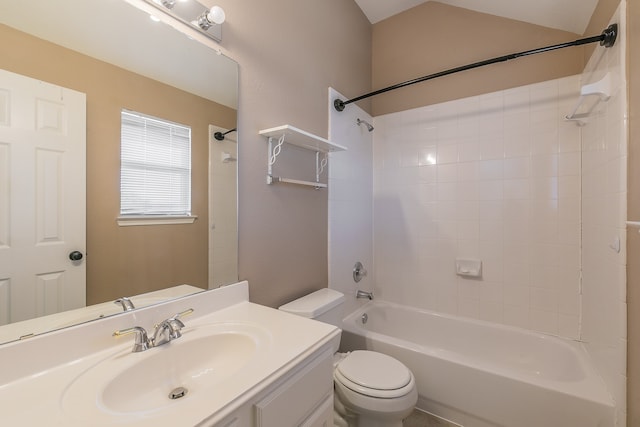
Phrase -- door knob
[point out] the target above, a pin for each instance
(75, 256)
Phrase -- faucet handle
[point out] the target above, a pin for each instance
(359, 272)
(141, 342)
(174, 324)
(183, 314)
(170, 328)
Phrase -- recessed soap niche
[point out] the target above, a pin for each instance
(471, 268)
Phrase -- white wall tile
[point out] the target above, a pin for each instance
(490, 170)
(447, 172)
(517, 316)
(491, 147)
(569, 326)
(468, 150)
(469, 307)
(515, 295)
(498, 182)
(544, 321)
(517, 168)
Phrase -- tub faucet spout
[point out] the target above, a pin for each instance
(363, 294)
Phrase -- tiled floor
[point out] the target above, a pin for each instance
(421, 419)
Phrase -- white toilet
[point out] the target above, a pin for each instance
(371, 388)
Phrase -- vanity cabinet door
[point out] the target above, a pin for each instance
(300, 397)
(242, 418)
(322, 416)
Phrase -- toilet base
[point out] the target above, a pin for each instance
(362, 411)
(368, 422)
(356, 420)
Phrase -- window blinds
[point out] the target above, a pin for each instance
(155, 171)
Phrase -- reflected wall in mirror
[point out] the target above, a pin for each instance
(128, 61)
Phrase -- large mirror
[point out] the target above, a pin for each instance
(120, 59)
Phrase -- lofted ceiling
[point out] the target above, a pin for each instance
(567, 15)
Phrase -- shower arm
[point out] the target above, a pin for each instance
(607, 39)
(220, 136)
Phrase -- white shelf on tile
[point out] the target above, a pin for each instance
(601, 89)
(301, 138)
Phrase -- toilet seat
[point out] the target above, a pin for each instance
(374, 374)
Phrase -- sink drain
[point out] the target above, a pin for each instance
(177, 393)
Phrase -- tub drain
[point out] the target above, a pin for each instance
(364, 318)
(177, 393)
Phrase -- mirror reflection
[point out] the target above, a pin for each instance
(85, 76)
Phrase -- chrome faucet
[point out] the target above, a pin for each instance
(127, 304)
(142, 341)
(167, 330)
(363, 294)
(164, 332)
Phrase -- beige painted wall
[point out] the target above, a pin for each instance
(290, 52)
(126, 260)
(435, 37)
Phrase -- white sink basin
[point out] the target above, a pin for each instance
(191, 367)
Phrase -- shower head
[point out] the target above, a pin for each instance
(367, 124)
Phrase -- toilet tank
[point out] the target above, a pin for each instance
(324, 305)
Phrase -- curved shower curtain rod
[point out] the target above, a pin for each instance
(607, 39)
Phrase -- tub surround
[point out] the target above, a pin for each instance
(43, 367)
(604, 213)
(495, 178)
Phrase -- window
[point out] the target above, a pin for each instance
(155, 171)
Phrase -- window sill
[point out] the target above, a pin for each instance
(136, 220)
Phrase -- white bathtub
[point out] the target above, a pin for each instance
(480, 374)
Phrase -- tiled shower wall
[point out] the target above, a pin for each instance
(604, 209)
(496, 178)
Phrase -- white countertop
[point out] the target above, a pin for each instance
(36, 395)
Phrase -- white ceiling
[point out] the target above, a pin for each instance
(568, 15)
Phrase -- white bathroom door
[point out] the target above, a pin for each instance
(42, 198)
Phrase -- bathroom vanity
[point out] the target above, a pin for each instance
(236, 364)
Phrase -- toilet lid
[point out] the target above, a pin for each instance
(367, 372)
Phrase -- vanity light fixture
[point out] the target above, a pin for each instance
(207, 21)
(210, 17)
